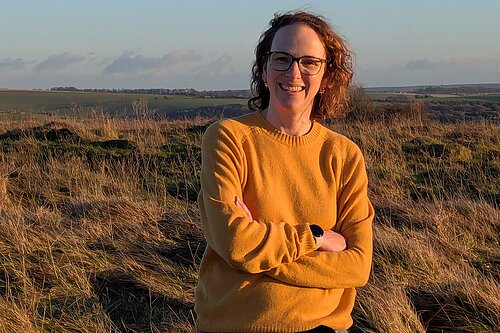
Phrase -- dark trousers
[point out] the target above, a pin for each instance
(319, 329)
(324, 329)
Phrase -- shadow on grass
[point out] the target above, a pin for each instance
(188, 237)
(445, 309)
(132, 307)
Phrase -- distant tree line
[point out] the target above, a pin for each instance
(162, 91)
(476, 89)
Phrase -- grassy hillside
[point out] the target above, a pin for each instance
(99, 230)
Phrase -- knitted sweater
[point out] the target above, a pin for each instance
(266, 275)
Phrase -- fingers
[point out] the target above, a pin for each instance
(333, 242)
(242, 205)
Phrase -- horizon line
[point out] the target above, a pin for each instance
(245, 89)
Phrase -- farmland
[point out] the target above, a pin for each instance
(39, 104)
(16, 103)
(100, 232)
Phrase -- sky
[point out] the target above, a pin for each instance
(209, 44)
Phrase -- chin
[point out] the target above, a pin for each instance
(290, 105)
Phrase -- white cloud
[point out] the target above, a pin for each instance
(139, 64)
(452, 64)
(18, 63)
(181, 68)
(422, 64)
(432, 71)
(223, 66)
(57, 62)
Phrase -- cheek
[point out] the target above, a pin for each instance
(314, 84)
(320, 83)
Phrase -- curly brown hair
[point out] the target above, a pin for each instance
(338, 71)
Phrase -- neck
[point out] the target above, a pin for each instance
(291, 124)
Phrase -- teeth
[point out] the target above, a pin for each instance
(291, 88)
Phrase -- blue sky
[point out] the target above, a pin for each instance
(210, 44)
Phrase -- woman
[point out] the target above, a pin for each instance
(283, 199)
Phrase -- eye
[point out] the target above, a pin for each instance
(282, 59)
(310, 62)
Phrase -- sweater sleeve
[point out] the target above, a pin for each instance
(250, 246)
(351, 267)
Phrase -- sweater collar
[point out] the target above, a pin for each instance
(302, 140)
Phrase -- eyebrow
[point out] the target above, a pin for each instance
(310, 56)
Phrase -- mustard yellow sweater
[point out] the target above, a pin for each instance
(266, 275)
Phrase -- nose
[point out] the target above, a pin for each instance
(294, 70)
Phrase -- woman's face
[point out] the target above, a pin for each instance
(290, 90)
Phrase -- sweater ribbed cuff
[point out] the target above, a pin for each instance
(306, 238)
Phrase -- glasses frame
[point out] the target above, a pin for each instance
(295, 59)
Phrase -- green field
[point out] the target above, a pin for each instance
(46, 101)
(489, 98)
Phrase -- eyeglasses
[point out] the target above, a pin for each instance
(282, 61)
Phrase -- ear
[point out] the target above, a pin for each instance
(264, 74)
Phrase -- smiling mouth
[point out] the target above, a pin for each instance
(291, 88)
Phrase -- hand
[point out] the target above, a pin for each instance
(241, 204)
(332, 242)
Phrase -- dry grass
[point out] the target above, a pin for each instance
(436, 189)
(92, 237)
(99, 230)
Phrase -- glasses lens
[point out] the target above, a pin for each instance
(280, 61)
(310, 65)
